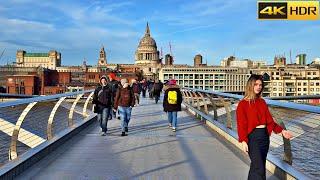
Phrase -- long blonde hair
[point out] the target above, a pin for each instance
(249, 92)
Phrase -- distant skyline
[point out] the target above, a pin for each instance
(213, 28)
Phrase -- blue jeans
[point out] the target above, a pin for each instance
(173, 119)
(125, 115)
(103, 118)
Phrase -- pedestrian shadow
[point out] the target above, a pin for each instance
(142, 147)
(157, 169)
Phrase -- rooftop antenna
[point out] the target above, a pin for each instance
(171, 52)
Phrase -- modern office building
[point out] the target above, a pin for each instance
(215, 78)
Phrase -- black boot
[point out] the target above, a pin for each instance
(123, 134)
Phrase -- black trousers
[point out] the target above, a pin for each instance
(258, 149)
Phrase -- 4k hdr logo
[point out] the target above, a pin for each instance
(291, 10)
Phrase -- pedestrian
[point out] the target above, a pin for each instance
(255, 124)
(157, 88)
(136, 87)
(150, 88)
(102, 98)
(124, 102)
(144, 87)
(114, 87)
(172, 103)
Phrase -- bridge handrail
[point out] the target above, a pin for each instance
(201, 99)
(41, 98)
(302, 107)
(31, 102)
(317, 96)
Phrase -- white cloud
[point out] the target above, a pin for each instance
(96, 12)
(13, 26)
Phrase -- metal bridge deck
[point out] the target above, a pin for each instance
(151, 151)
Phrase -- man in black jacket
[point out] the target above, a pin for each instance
(102, 99)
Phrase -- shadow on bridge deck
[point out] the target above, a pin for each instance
(151, 150)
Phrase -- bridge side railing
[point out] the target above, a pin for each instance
(26, 123)
(220, 107)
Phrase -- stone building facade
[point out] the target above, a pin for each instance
(102, 57)
(147, 55)
(49, 60)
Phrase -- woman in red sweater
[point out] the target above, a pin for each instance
(255, 125)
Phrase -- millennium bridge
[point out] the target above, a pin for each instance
(58, 137)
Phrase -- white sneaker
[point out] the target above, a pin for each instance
(103, 134)
(174, 129)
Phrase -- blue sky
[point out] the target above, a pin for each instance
(213, 28)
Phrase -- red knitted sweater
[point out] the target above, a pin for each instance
(252, 114)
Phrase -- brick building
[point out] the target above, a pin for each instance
(23, 84)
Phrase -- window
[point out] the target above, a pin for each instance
(304, 89)
(275, 84)
(299, 84)
(305, 84)
(274, 89)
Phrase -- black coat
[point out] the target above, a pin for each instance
(157, 88)
(114, 84)
(102, 98)
(172, 107)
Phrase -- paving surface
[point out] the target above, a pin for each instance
(150, 151)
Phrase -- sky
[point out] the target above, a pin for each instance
(213, 28)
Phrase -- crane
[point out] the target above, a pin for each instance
(2, 53)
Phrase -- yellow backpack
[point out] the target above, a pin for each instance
(172, 97)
